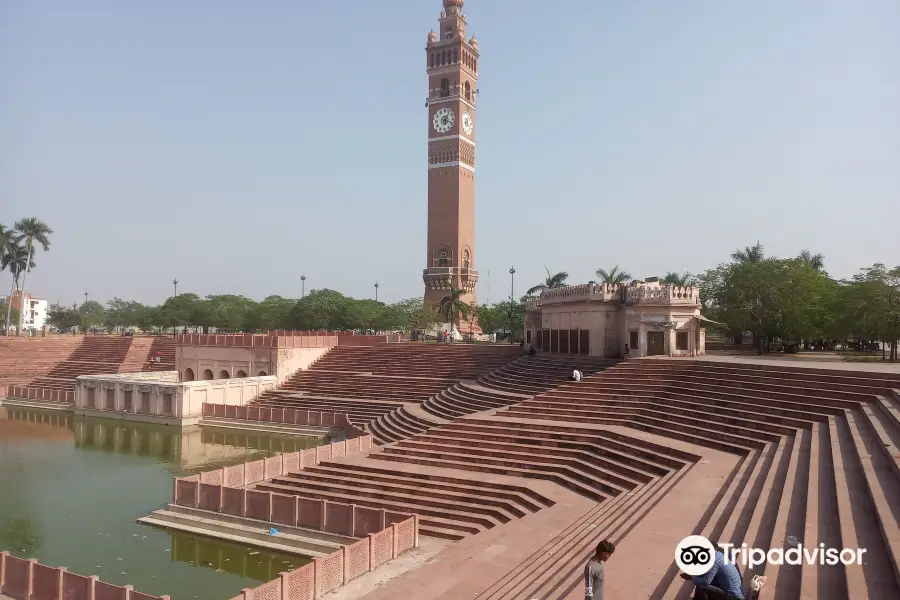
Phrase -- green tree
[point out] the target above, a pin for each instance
(453, 307)
(320, 310)
(552, 281)
(816, 261)
(413, 313)
(181, 311)
(63, 317)
(614, 276)
(13, 258)
(32, 231)
(750, 254)
(272, 313)
(92, 314)
(682, 279)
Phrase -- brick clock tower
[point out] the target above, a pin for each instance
(452, 67)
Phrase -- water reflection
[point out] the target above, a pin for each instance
(71, 489)
(188, 449)
(250, 563)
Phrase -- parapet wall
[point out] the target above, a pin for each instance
(22, 579)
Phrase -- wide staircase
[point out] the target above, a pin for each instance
(812, 458)
(23, 359)
(369, 381)
(511, 383)
(819, 463)
(93, 356)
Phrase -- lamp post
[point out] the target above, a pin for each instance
(175, 283)
(376, 291)
(303, 286)
(85, 297)
(512, 283)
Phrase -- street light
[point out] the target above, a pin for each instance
(175, 283)
(303, 286)
(376, 291)
(85, 297)
(512, 283)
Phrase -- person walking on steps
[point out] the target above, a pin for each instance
(594, 571)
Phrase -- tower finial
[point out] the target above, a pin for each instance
(453, 7)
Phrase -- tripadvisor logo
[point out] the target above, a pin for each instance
(695, 555)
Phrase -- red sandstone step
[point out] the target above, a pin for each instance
(618, 476)
(391, 453)
(591, 453)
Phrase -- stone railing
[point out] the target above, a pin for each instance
(328, 573)
(253, 340)
(594, 292)
(22, 579)
(632, 294)
(663, 294)
(40, 394)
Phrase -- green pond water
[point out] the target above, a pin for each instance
(71, 489)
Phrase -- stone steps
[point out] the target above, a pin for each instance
(293, 540)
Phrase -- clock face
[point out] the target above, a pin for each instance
(443, 120)
(467, 122)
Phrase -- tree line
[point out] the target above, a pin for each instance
(751, 294)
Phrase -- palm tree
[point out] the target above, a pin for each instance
(453, 306)
(614, 276)
(551, 282)
(816, 261)
(32, 230)
(8, 241)
(14, 260)
(750, 254)
(680, 279)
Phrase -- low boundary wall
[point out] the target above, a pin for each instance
(328, 573)
(22, 579)
(41, 394)
(289, 416)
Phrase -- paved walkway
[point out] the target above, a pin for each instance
(798, 360)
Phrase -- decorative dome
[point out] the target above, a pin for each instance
(453, 3)
(474, 42)
(432, 37)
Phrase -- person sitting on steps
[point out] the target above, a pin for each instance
(723, 581)
(576, 375)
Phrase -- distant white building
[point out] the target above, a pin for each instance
(36, 311)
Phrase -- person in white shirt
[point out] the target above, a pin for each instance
(576, 375)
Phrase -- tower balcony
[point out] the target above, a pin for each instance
(444, 278)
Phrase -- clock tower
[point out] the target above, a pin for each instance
(451, 62)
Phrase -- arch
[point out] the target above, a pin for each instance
(468, 89)
(261, 374)
(445, 87)
(443, 57)
(188, 375)
(455, 56)
(207, 374)
(223, 374)
(432, 60)
(466, 258)
(240, 374)
(443, 257)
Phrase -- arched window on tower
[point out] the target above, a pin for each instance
(442, 258)
(468, 89)
(444, 57)
(445, 87)
(432, 60)
(466, 256)
(455, 56)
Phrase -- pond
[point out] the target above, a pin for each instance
(72, 488)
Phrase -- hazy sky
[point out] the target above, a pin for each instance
(235, 145)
